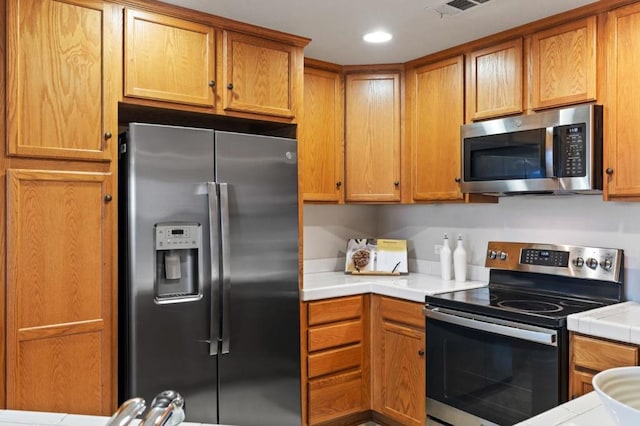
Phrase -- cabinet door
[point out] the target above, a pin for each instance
(372, 141)
(59, 287)
(436, 93)
(398, 362)
(579, 383)
(321, 136)
(258, 75)
(622, 115)
(563, 65)
(168, 59)
(61, 90)
(494, 87)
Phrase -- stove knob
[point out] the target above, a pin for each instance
(493, 254)
(606, 264)
(503, 255)
(578, 262)
(592, 263)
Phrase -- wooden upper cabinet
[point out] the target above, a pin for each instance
(372, 141)
(168, 59)
(62, 89)
(435, 94)
(621, 113)
(494, 85)
(563, 65)
(259, 75)
(60, 329)
(321, 136)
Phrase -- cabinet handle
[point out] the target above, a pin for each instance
(108, 198)
(212, 83)
(609, 171)
(338, 184)
(230, 86)
(457, 179)
(421, 352)
(108, 135)
(396, 184)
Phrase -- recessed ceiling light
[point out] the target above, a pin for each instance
(377, 37)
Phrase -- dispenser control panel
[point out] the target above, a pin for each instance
(178, 236)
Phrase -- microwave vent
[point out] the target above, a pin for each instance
(455, 7)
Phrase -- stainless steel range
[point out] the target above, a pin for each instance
(498, 355)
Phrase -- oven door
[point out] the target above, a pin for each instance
(485, 369)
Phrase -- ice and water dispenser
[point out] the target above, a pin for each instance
(178, 272)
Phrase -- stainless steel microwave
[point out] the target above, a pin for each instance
(555, 151)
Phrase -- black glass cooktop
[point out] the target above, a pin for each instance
(531, 308)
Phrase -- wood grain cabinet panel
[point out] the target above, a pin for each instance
(259, 75)
(372, 123)
(59, 288)
(338, 376)
(168, 59)
(588, 356)
(436, 112)
(398, 361)
(622, 112)
(61, 103)
(494, 85)
(321, 136)
(563, 64)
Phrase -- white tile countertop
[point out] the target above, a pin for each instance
(620, 322)
(586, 410)
(41, 418)
(413, 286)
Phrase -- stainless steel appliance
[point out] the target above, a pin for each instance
(499, 354)
(209, 273)
(551, 151)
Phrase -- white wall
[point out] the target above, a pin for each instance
(571, 219)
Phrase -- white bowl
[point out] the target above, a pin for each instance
(619, 391)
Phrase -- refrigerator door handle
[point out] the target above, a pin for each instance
(226, 268)
(214, 238)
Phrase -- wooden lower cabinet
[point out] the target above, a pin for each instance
(337, 359)
(590, 355)
(398, 360)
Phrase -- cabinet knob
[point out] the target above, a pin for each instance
(396, 184)
(108, 135)
(609, 171)
(457, 179)
(421, 352)
(230, 86)
(338, 184)
(108, 198)
(212, 83)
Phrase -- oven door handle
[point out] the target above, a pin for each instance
(496, 326)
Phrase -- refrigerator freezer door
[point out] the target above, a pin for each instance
(166, 344)
(260, 375)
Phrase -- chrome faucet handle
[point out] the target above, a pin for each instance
(167, 409)
(127, 412)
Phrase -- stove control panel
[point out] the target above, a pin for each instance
(575, 261)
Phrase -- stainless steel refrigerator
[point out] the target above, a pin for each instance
(209, 302)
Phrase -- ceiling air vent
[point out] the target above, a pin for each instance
(455, 7)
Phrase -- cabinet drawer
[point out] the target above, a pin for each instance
(600, 355)
(335, 310)
(335, 335)
(335, 397)
(334, 361)
(409, 313)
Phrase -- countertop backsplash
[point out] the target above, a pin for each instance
(570, 219)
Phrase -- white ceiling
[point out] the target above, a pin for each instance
(336, 26)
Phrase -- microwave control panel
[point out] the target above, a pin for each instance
(570, 150)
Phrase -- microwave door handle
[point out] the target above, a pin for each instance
(549, 160)
(549, 338)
